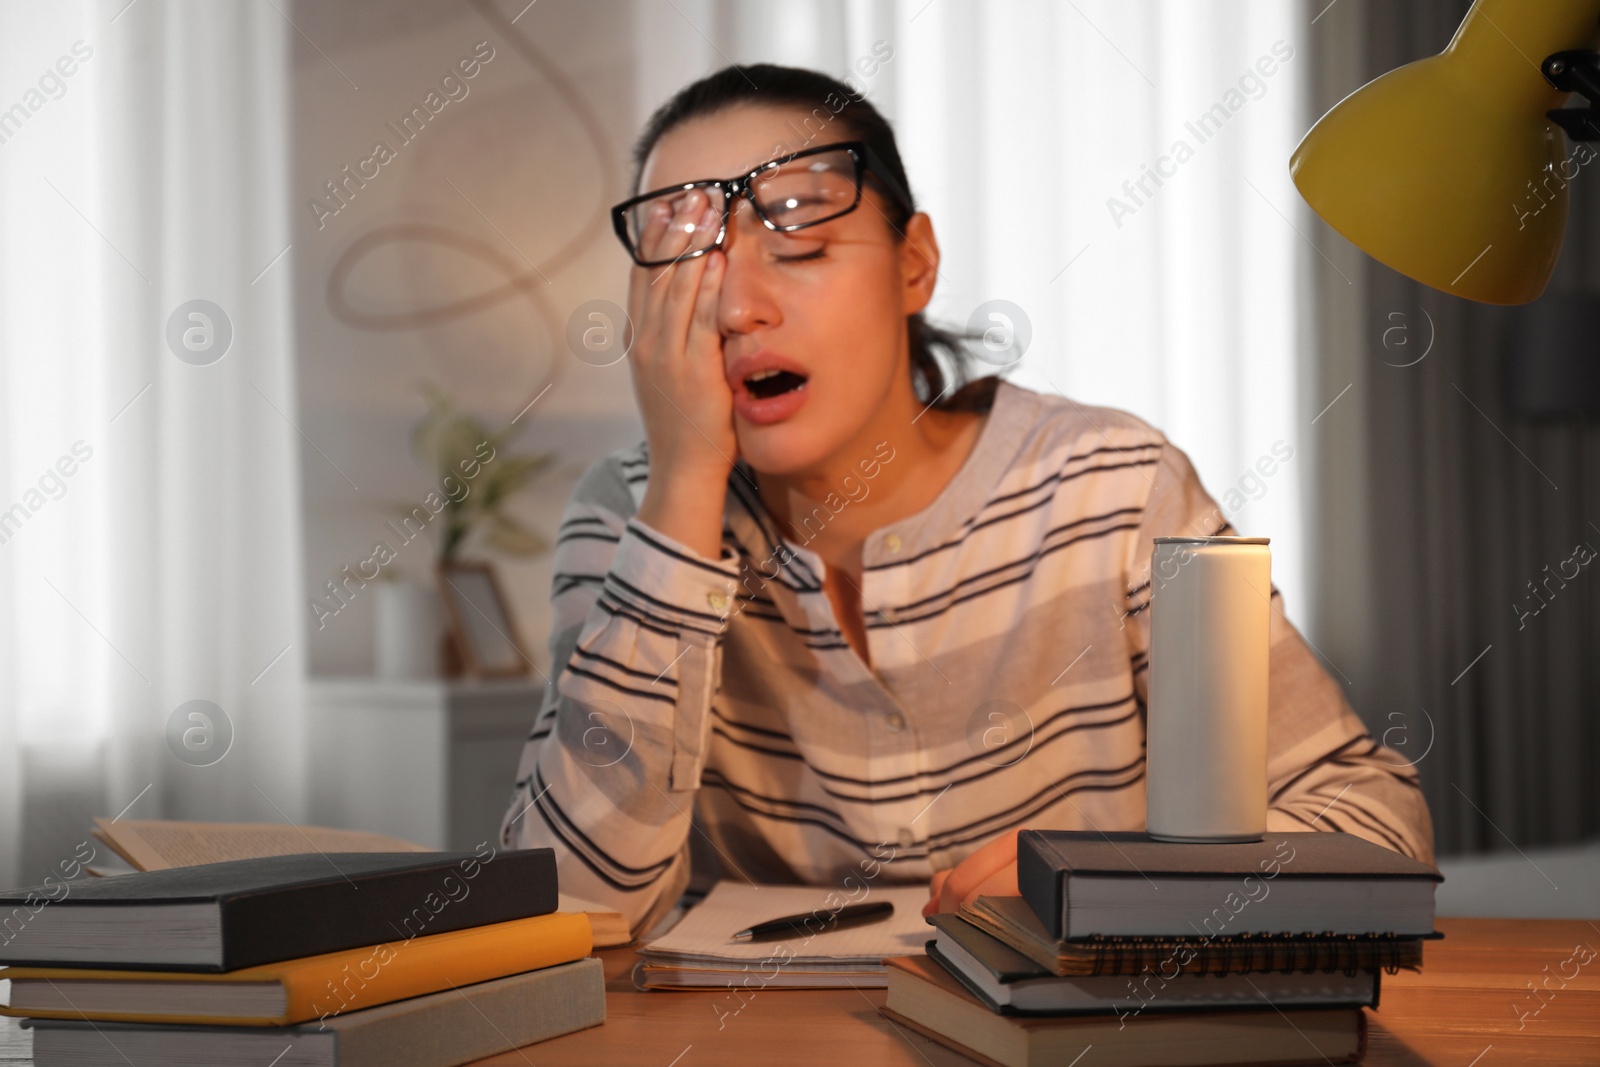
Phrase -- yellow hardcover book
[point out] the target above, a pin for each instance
(296, 991)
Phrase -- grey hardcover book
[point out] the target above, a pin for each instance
(1085, 884)
(437, 1030)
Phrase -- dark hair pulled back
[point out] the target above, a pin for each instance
(953, 380)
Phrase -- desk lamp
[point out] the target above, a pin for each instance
(1453, 170)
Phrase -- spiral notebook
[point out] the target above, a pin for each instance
(1012, 984)
(1010, 920)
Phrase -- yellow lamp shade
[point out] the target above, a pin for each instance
(1447, 169)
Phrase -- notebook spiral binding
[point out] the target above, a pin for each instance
(1307, 953)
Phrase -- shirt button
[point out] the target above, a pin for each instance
(892, 543)
(906, 838)
(718, 601)
(895, 721)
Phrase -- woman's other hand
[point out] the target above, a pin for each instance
(679, 377)
(989, 872)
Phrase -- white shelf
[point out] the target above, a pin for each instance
(431, 761)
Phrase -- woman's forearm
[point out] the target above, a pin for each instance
(610, 770)
(687, 506)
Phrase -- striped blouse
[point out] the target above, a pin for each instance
(709, 714)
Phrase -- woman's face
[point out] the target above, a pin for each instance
(827, 303)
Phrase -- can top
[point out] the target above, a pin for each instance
(1212, 540)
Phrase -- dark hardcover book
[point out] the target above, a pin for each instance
(1004, 963)
(226, 916)
(435, 1030)
(1085, 884)
(1012, 984)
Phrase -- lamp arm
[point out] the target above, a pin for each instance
(1576, 71)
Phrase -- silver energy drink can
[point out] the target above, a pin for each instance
(1206, 742)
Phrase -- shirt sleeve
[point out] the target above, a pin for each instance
(608, 775)
(1324, 770)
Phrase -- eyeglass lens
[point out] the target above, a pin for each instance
(801, 192)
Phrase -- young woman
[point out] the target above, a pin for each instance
(843, 615)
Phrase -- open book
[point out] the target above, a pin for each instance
(157, 844)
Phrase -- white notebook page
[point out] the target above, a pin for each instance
(705, 934)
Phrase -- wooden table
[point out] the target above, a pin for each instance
(1459, 1011)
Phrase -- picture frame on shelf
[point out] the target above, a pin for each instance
(478, 621)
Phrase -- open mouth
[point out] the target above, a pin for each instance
(766, 384)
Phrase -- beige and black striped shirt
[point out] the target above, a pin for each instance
(713, 707)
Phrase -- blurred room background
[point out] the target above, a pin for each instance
(195, 516)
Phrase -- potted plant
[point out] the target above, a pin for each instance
(462, 447)
(478, 478)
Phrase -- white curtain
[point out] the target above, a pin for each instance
(1019, 123)
(149, 498)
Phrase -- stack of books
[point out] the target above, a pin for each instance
(1154, 952)
(342, 959)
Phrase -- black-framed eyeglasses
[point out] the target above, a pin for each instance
(789, 193)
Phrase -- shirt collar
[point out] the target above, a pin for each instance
(963, 497)
(954, 509)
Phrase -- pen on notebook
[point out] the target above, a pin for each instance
(796, 925)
